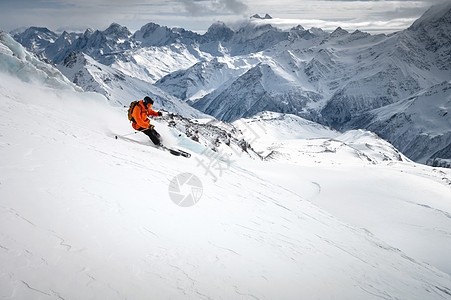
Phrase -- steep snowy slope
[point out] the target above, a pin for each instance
(117, 87)
(205, 76)
(420, 126)
(76, 203)
(433, 32)
(266, 86)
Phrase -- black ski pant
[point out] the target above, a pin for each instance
(152, 134)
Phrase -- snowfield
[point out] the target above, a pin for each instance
(86, 216)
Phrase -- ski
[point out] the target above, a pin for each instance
(176, 152)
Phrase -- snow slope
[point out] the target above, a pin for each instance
(77, 203)
(420, 126)
(290, 138)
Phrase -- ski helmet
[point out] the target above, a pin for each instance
(148, 100)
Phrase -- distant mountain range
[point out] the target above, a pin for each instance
(346, 80)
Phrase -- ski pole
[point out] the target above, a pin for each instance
(170, 123)
(130, 133)
(166, 120)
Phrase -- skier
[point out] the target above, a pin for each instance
(139, 115)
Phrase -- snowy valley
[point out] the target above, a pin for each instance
(285, 208)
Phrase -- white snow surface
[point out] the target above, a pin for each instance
(86, 216)
(292, 138)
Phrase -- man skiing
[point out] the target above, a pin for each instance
(139, 115)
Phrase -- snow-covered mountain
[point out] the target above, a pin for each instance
(352, 73)
(77, 203)
(36, 39)
(153, 34)
(61, 45)
(98, 44)
(205, 77)
(419, 126)
(264, 87)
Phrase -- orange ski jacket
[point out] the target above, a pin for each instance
(140, 114)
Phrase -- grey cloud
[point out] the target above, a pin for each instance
(405, 9)
(193, 7)
(234, 6)
(214, 7)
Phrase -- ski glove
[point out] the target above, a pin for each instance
(160, 113)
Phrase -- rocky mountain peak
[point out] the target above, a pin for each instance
(433, 30)
(36, 38)
(338, 32)
(257, 16)
(117, 31)
(436, 16)
(88, 32)
(219, 32)
(74, 58)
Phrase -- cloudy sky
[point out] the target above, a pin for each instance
(197, 15)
